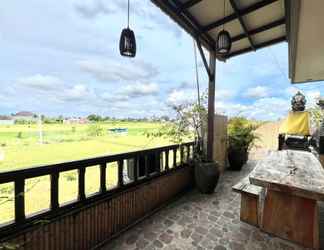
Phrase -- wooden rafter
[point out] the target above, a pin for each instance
(266, 27)
(233, 16)
(258, 46)
(193, 20)
(188, 5)
(239, 17)
(186, 24)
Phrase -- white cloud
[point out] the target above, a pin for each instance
(79, 92)
(128, 70)
(257, 92)
(290, 91)
(312, 97)
(269, 108)
(223, 94)
(177, 97)
(140, 89)
(41, 82)
(92, 9)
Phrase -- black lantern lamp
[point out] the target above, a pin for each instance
(127, 42)
(224, 41)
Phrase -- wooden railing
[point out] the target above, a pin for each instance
(146, 165)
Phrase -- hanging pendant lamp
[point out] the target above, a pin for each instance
(224, 40)
(127, 42)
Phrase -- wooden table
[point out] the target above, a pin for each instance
(293, 182)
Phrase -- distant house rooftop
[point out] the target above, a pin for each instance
(5, 118)
(24, 113)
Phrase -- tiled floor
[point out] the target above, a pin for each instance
(199, 221)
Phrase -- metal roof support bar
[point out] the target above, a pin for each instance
(260, 29)
(202, 54)
(188, 5)
(233, 16)
(236, 11)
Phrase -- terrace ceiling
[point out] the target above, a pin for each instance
(252, 24)
(255, 24)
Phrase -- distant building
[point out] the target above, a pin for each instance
(75, 120)
(6, 120)
(25, 116)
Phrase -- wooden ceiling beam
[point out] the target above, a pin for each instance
(171, 9)
(239, 17)
(193, 20)
(233, 16)
(260, 29)
(187, 5)
(258, 46)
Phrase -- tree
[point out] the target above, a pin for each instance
(94, 118)
(190, 121)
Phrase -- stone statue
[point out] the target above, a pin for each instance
(298, 102)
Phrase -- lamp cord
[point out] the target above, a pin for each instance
(128, 14)
(197, 73)
(224, 14)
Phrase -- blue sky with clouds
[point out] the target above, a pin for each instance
(63, 58)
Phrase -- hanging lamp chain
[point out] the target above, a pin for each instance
(224, 14)
(128, 14)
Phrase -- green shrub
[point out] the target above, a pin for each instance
(241, 133)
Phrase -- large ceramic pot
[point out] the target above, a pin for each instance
(237, 158)
(206, 176)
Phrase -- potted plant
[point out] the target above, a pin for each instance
(190, 122)
(241, 137)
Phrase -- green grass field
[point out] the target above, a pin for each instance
(20, 148)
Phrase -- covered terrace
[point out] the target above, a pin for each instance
(141, 213)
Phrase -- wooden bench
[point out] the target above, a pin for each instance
(249, 201)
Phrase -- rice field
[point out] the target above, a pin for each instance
(20, 147)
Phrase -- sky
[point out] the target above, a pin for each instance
(62, 58)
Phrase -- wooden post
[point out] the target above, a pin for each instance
(211, 105)
(55, 191)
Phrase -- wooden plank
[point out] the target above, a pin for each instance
(220, 141)
(249, 209)
(321, 223)
(211, 105)
(244, 186)
(19, 200)
(54, 191)
(291, 171)
(284, 215)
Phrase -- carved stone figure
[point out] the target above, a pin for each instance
(298, 102)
